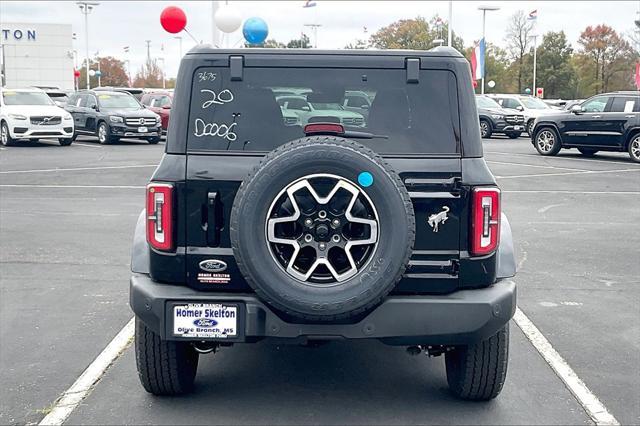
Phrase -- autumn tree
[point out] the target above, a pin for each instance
(358, 44)
(555, 70)
(149, 75)
(415, 34)
(518, 36)
(608, 57)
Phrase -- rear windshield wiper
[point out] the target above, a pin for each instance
(362, 135)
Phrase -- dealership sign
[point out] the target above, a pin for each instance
(18, 34)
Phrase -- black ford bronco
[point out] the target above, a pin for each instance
(263, 224)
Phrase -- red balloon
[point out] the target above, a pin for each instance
(475, 84)
(173, 19)
(76, 73)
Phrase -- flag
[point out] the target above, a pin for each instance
(533, 15)
(309, 3)
(477, 61)
(638, 76)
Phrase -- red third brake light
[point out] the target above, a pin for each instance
(160, 216)
(485, 220)
(323, 128)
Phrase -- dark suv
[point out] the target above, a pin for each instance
(111, 116)
(495, 119)
(606, 122)
(257, 230)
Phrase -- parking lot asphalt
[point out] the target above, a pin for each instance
(66, 219)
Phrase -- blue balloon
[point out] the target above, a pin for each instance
(255, 30)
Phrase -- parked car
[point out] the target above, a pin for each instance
(570, 104)
(307, 108)
(254, 230)
(530, 107)
(495, 119)
(136, 92)
(58, 96)
(160, 103)
(357, 101)
(30, 114)
(112, 115)
(605, 122)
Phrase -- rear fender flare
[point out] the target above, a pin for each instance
(140, 248)
(506, 252)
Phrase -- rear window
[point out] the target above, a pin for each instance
(271, 106)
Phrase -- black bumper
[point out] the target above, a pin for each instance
(462, 317)
(125, 131)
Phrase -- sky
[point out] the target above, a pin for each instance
(115, 24)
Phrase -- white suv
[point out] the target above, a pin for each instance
(531, 107)
(31, 114)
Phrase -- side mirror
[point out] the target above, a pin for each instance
(577, 109)
(306, 108)
(365, 106)
(94, 107)
(520, 108)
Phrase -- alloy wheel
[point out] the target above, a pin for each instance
(546, 140)
(4, 134)
(634, 149)
(102, 133)
(322, 229)
(484, 129)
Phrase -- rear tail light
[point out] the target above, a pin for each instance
(485, 220)
(324, 128)
(160, 216)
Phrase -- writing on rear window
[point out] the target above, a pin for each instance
(271, 106)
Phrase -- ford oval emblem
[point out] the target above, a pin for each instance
(213, 265)
(205, 322)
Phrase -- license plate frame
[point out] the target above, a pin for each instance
(518, 127)
(207, 330)
(143, 129)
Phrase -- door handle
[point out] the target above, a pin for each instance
(596, 116)
(629, 116)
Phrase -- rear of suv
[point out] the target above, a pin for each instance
(390, 229)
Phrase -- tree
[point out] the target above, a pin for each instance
(609, 56)
(112, 70)
(149, 75)
(271, 43)
(359, 44)
(555, 70)
(518, 33)
(300, 43)
(416, 34)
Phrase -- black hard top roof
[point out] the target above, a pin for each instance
(440, 52)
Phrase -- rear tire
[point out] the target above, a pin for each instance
(515, 135)
(477, 372)
(530, 127)
(634, 148)
(5, 136)
(547, 141)
(65, 142)
(587, 152)
(164, 367)
(485, 129)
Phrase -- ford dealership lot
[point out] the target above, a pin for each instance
(66, 220)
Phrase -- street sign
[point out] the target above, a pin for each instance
(540, 92)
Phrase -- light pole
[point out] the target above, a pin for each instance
(484, 10)
(180, 40)
(450, 25)
(535, 49)
(164, 83)
(86, 7)
(314, 27)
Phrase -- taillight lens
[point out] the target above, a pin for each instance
(485, 222)
(160, 216)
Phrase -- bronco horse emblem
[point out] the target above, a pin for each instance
(438, 218)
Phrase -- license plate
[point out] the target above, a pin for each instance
(142, 130)
(518, 127)
(205, 320)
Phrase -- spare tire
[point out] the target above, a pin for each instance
(322, 229)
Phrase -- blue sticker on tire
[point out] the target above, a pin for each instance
(365, 179)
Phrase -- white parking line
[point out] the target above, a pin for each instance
(87, 145)
(72, 169)
(604, 160)
(586, 172)
(73, 186)
(535, 165)
(591, 404)
(81, 388)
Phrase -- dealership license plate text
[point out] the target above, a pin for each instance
(205, 320)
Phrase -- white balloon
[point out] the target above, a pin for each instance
(491, 84)
(92, 73)
(227, 19)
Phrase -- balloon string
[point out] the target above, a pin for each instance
(194, 39)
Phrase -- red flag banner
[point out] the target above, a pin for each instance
(638, 76)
